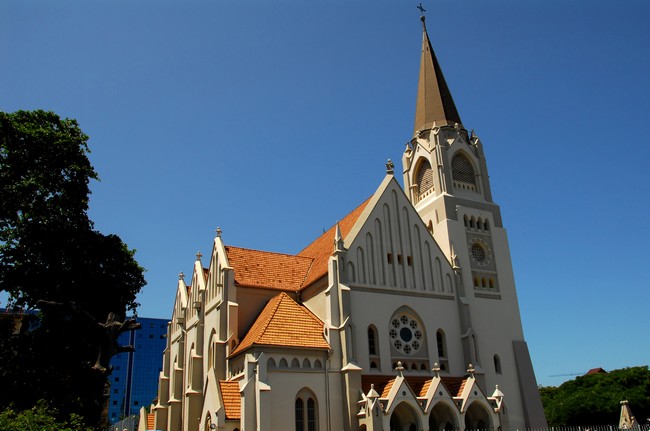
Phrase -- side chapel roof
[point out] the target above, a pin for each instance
(264, 269)
(418, 384)
(285, 323)
(229, 391)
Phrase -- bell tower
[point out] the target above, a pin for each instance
(446, 180)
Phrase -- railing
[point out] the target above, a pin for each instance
(642, 427)
(126, 424)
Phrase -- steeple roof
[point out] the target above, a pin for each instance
(434, 101)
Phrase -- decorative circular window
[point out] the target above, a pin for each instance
(405, 334)
(480, 252)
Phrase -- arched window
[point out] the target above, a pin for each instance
(442, 349)
(497, 364)
(306, 411)
(407, 339)
(372, 341)
(424, 178)
(462, 170)
(373, 347)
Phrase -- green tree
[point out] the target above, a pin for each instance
(594, 399)
(38, 418)
(52, 259)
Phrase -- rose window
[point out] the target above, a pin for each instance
(405, 334)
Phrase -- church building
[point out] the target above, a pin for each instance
(402, 316)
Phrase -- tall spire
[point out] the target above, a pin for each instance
(434, 102)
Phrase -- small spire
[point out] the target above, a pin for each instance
(372, 394)
(436, 370)
(390, 167)
(338, 238)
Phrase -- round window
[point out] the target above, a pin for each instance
(405, 334)
(478, 252)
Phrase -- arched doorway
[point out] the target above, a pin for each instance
(478, 417)
(405, 418)
(442, 418)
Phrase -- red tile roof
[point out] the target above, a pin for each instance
(283, 322)
(321, 249)
(151, 421)
(231, 398)
(263, 269)
(419, 384)
(254, 268)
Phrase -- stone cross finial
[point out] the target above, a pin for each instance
(218, 231)
(181, 275)
(199, 255)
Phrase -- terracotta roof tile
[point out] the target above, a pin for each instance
(231, 399)
(254, 268)
(283, 322)
(151, 421)
(419, 384)
(454, 385)
(321, 249)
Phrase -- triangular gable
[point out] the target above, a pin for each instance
(180, 304)
(285, 323)
(396, 391)
(436, 391)
(390, 234)
(471, 392)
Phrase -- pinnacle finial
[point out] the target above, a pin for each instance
(199, 255)
(389, 166)
(181, 275)
(218, 231)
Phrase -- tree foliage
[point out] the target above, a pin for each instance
(50, 253)
(594, 399)
(38, 418)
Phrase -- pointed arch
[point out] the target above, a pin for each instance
(497, 364)
(462, 169)
(441, 344)
(423, 178)
(306, 410)
(477, 417)
(405, 417)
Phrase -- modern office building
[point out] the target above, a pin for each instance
(134, 381)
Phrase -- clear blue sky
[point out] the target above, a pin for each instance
(274, 119)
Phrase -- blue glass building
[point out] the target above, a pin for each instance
(134, 381)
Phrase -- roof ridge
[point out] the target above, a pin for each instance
(278, 299)
(268, 252)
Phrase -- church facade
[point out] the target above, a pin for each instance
(402, 316)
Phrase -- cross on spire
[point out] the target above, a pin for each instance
(421, 9)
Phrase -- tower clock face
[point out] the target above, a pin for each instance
(405, 334)
(480, 252)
